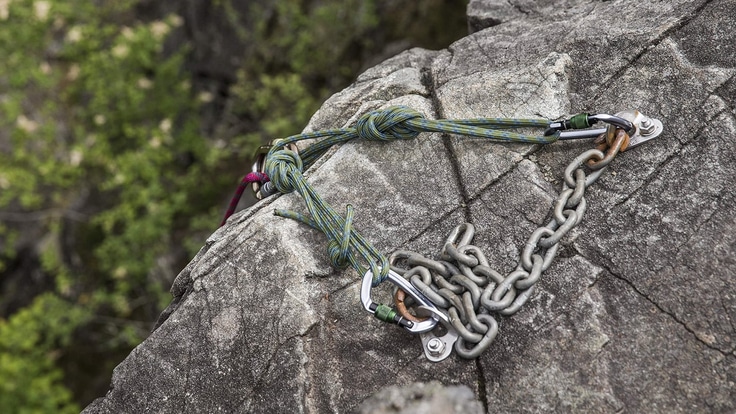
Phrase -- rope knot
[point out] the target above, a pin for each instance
(281, 168)
(387, 124)
(339, 249)
(339, 258)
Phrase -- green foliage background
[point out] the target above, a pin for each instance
(116, 161)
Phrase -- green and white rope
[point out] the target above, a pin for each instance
(346, 246)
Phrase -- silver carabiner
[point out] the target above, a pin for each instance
(388, 314)
(580, 121)
(640, 127)
(614, 120)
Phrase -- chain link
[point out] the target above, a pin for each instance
(462, 283)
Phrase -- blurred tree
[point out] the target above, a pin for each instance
(123, 126)
(101, 162)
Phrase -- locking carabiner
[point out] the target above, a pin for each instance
(638, 126)
(581, 121)
(389, 314)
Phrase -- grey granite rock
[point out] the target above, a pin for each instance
(638, 311)
(483, 14)
(421, 398)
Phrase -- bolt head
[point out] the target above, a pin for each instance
(646, 126)
(435, 346)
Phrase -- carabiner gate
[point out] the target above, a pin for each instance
(639, 127)
(389, 314)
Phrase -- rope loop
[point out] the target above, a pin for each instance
(387, 124)
(339, 258)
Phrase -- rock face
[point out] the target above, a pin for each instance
(638, 311)
(423, 398)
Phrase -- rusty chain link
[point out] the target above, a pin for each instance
(462, 284)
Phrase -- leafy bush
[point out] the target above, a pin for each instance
(100, 149)
(30, 344)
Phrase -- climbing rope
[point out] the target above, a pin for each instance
(250, 178)
(464, 302)
(284, 171)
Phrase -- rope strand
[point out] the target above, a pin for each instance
(345, 245)
(253, 177)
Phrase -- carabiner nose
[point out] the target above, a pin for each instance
(388, 314)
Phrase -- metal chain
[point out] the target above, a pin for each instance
(464, 286)
(460, 289)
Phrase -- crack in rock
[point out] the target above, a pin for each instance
(705, 339)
